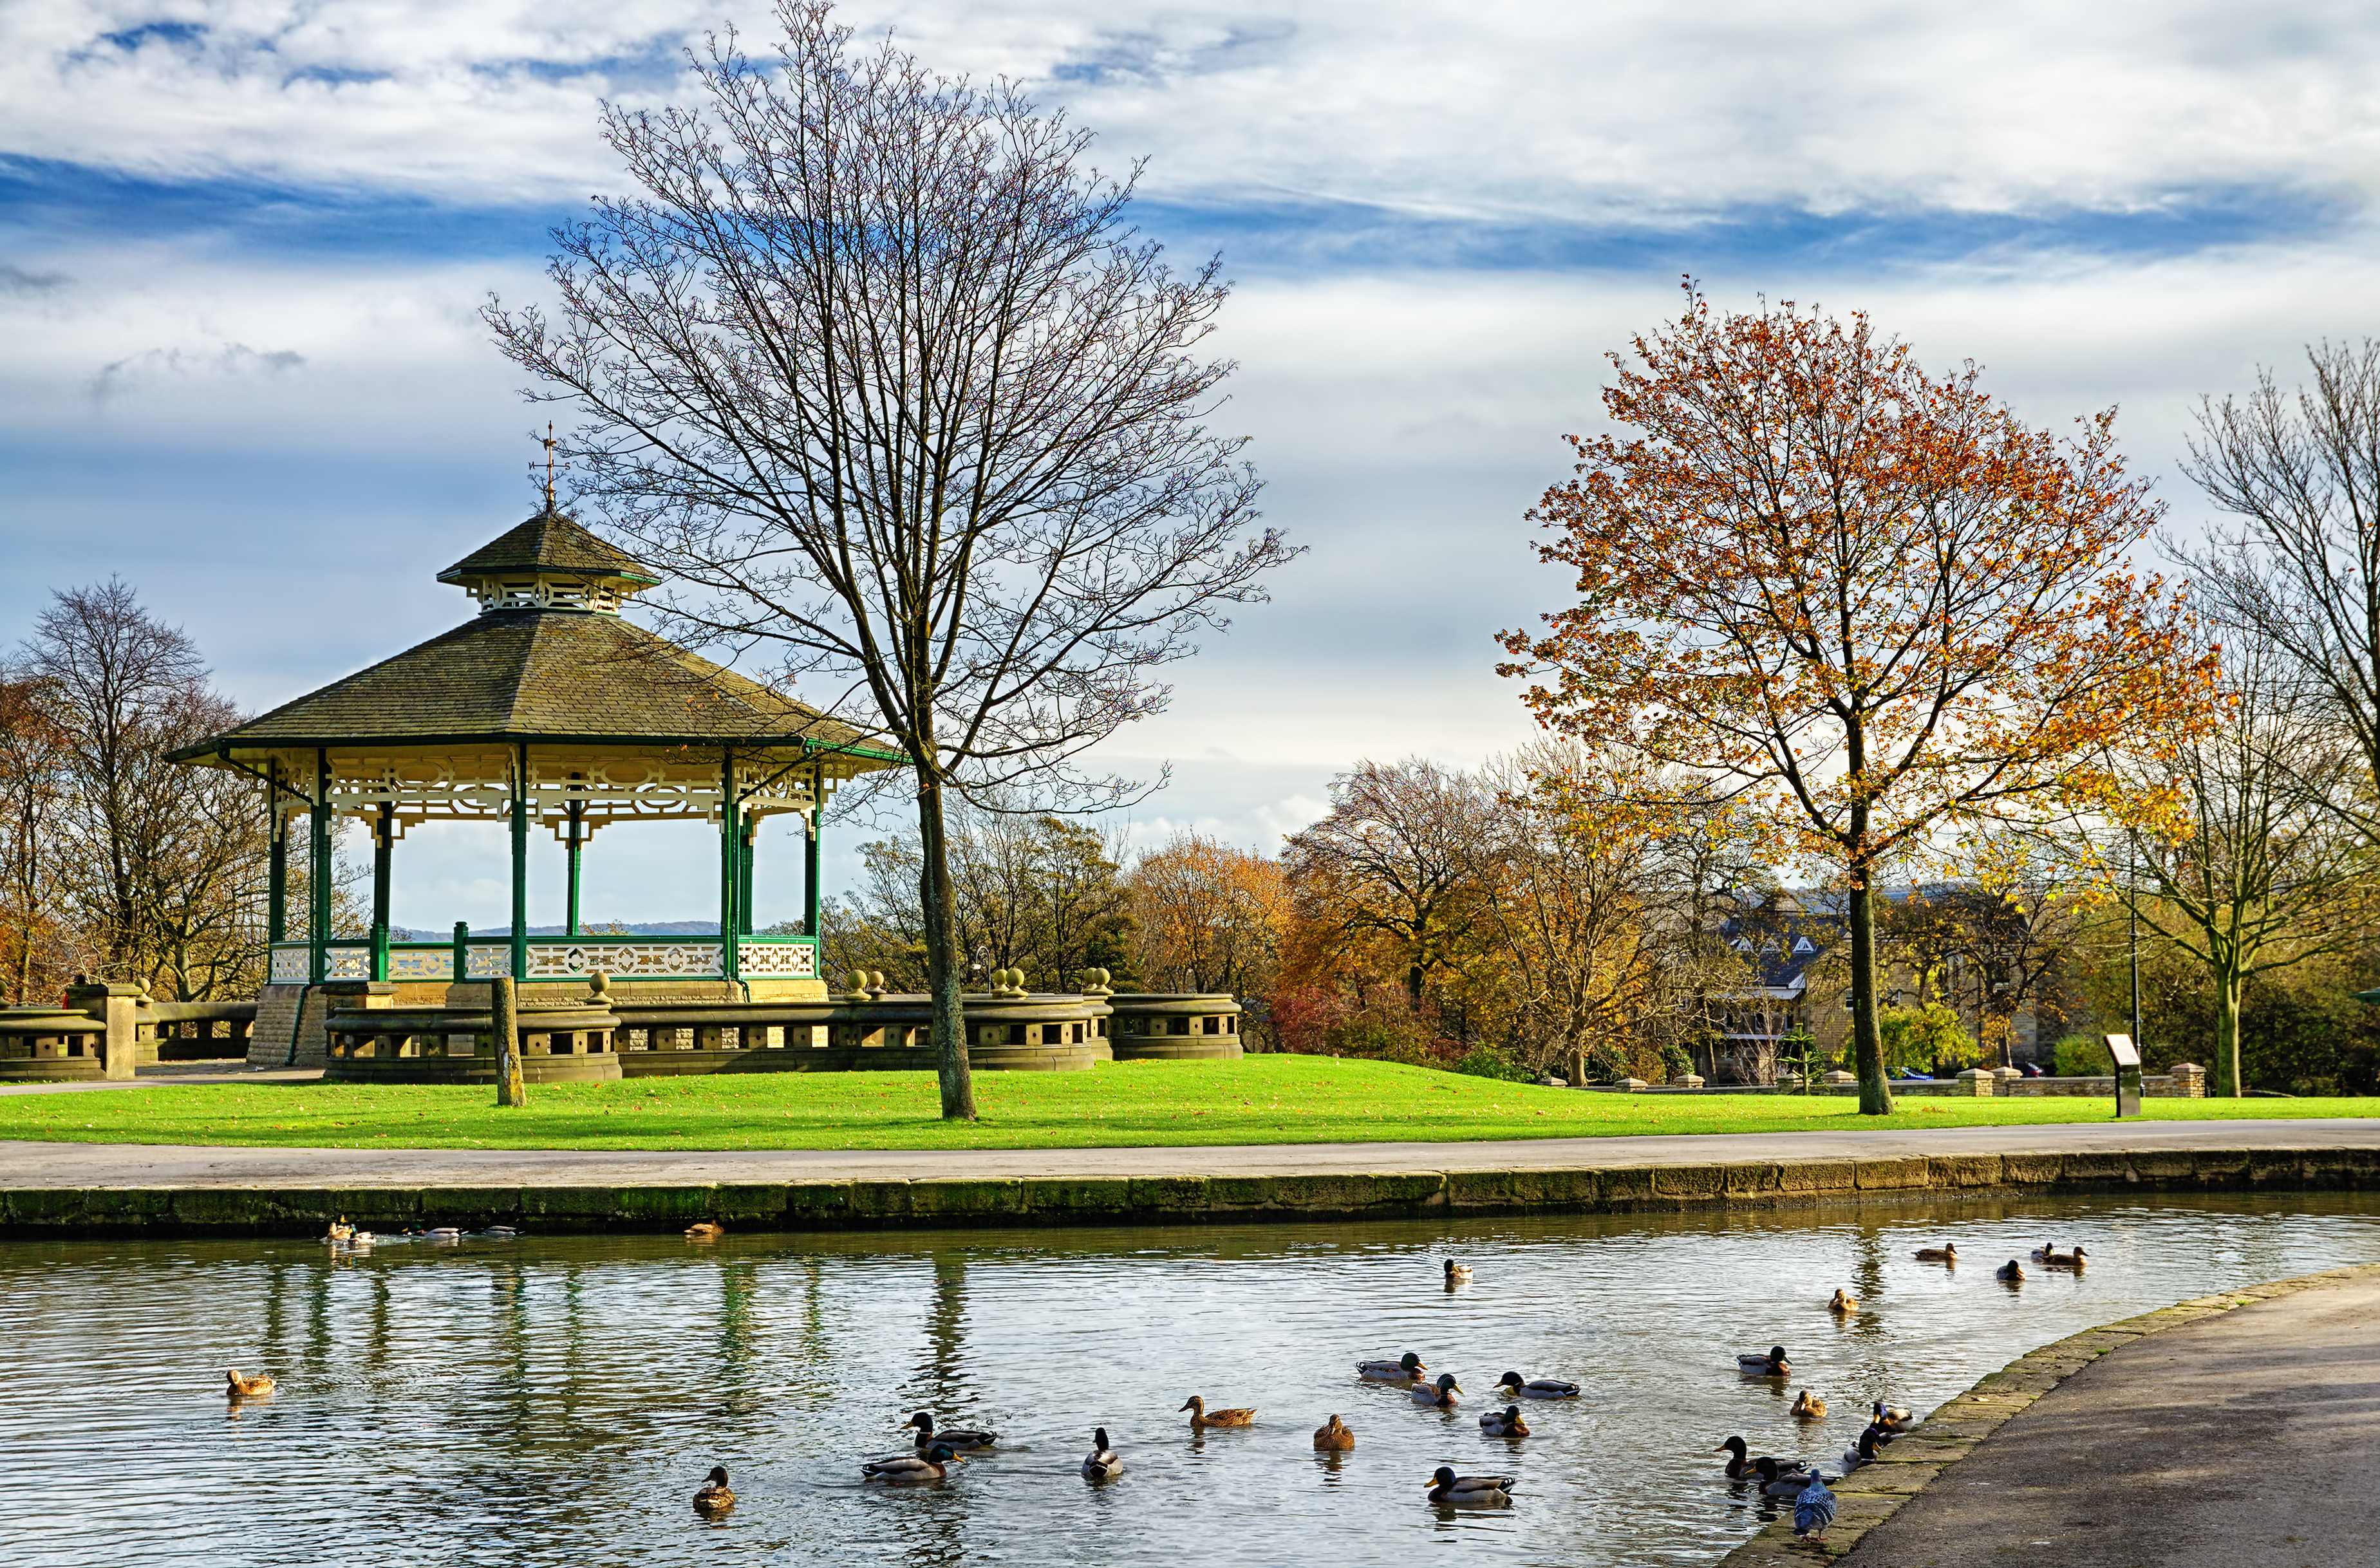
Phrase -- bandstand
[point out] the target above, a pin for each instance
(547, 709)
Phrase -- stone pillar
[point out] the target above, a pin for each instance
(2189, 1080)
(1976, 1081)
(117, 1006)
(1685, 1080)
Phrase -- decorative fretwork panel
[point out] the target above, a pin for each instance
(631, 960)
(422, 964)
(289, 965)
(607, 786)
(777, 960)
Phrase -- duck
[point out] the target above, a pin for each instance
(1808, 1407)
(1404, 1369)
(1946, 1253)
(1102, 1463)
(1863, 1453)
(445, 1233)
(1457, 1273)
(714, 1496)
(1336, 1438)
(931, 1465)
(1843, 1302)
(340, 1230)
(1450, 1490)
(2074, 1259)
(2044, 1252)
(958, 1439)
(1891, 1418)
(1200, 1417)
(1504, 1423)
(1784, 1478)
(500, 1232)
(1440, 1393)
(1537, 1388)
(1772, 1365)
(238, 1387)
(703, 1230)
(2011, 1270)
(1740, 1463)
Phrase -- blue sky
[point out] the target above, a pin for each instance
(242, 243)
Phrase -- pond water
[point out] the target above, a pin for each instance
(559, 1399)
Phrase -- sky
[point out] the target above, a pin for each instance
(243, 244)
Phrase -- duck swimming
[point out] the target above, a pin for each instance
(1450, 1490)
(1808, 1407)
(1504, 1423)
(1336, 1438)
(1740, 1465)
(2011, 1270)
(340, 1230)
(714, 1496)
(1537, 1388)
(1892, 1419)
(1772, 1365)
(1946, 1253)
(1102, 1462)
(956, 1438)
(931, 1465)
(1440, 1393)
(1843, 1302)
(1457, 1273)
(238, 1387)
(703, 1230)
(1404, 1369)
(1200, 1417)
(2074, 1259)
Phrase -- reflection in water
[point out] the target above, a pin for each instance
(554, 1397)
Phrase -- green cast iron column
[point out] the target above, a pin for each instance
(520, 862)
(383, 845)
(731, 851)
(814, 823)
(577, 841)
(317, 923)
(751, 836)
(277, 869)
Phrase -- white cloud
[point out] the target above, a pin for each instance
(1623, 109)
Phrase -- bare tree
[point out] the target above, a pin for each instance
(873, 365)
(2265, 872)
(162, 870)
(33, 759)
(2301, 472)
(1403, 856)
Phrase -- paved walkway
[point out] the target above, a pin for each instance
(178, 1165)
(2245, 1440)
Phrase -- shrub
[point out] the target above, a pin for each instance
(1487, 1062)
(2083, 1056)
(1928, 1039)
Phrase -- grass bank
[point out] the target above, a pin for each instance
(1259, 1099)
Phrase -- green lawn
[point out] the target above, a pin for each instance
(1260, 1099)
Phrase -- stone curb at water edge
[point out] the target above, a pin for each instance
(1871, 1495)
(230, 1211)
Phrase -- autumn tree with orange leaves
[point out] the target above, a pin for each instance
(1871, 605)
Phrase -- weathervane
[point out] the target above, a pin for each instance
(549, 466)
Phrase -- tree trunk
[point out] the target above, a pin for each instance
(2227, 1034)
(945, 964)
(1867, 1040)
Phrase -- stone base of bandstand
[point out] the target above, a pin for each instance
(1178, 1047)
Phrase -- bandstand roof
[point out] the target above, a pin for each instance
(541, 667)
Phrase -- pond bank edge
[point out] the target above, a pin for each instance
(860, 1205)
(1869, 1497)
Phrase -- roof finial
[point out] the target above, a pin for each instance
(549, 466)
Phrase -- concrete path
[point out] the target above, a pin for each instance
(53, 1165)
(2244, 1441)
(167, 1072)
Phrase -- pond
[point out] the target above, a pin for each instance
(555, 1399)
